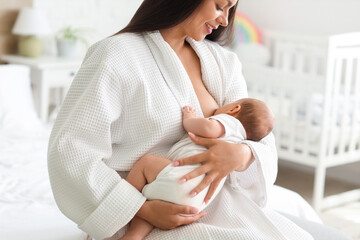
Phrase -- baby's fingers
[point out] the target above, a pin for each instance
(186, 108)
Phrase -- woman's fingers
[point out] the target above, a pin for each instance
(212, 190)
(166, 215)
(198, 158)
(193, 213)
(208, 179)
(190, 219)
(206, 142)
(185, 210)
(194, 173)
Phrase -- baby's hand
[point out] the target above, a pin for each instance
(189, 112)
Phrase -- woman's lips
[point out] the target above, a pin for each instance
(209, 28)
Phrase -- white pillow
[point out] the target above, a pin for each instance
(252, 53)
(17, 112)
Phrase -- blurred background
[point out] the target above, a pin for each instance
(52, 37)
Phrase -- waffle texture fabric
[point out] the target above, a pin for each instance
(126, 101)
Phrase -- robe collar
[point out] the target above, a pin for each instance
(175, 74)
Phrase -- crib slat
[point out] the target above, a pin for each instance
(281, 125)
(355, 133)
(292, 123)
(299, 62)
(345, 106)
(286, 58)
(312, 65)
(308, 124)
(277, 52)
(334, 100)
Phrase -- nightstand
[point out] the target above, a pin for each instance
(47, 72)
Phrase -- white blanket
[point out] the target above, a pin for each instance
(27, 206)
(126, 101)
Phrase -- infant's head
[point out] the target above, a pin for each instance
(254, 115)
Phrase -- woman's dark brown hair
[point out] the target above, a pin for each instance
(161, 14)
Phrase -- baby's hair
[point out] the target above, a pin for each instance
(256, 117)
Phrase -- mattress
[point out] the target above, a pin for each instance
(27, 207)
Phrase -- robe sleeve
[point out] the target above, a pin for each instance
(257, 180)
(85, 189)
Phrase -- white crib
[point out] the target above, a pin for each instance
(313, 88)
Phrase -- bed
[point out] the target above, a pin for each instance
(312, 84)
(27, 207)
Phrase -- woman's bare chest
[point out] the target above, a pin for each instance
(192, 66)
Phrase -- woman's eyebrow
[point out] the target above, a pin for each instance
(229, 3)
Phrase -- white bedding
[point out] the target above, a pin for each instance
(27, 207)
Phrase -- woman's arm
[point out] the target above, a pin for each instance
(86, 190)
(203, 127)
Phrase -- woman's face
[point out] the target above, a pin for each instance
(207, 17)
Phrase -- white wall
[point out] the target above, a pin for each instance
(101, 17)
(105, 17)
(320, 17)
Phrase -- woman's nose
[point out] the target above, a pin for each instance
(223, 19)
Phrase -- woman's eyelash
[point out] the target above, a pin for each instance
(219, 8)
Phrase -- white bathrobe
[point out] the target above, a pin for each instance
(126, 101)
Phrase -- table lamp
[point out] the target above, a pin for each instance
(30, 23)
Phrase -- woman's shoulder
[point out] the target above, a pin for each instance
(117, 48)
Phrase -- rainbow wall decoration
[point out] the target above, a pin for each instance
(245, 30)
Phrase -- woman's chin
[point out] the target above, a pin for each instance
(198, 37)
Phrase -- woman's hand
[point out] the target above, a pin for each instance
(218, 161)
(165, 215)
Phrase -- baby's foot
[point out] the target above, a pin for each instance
(189, 112)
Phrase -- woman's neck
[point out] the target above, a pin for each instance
(175, 37)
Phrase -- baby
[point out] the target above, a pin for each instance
(157, 178)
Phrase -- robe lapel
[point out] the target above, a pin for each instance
(175, 74)
(173, 71)
(211, 74)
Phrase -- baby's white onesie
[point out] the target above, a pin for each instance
(166, 186)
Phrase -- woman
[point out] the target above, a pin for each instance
(126, 101)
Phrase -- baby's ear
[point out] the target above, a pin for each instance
(236, 109)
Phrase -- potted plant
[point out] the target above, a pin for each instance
(67, 40)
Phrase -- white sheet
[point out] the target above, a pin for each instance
(17, 112)
(287, 201)
(27, 207)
